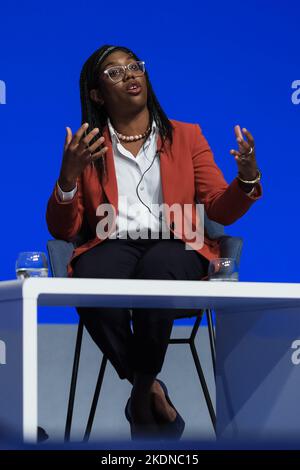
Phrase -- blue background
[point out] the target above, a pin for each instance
(217, 64)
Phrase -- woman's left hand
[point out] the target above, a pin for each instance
(245, 155)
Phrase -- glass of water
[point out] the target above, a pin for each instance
(31, 264)
(223, 269)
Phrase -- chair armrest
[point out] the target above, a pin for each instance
(231, 247)
(213, 229)
(60, 253)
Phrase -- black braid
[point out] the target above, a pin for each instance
(96, 115)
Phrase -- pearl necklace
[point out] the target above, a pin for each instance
(133, 138)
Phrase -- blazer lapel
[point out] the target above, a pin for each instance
(165, 169)
(110, 180)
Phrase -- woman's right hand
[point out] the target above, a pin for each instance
(77, 155)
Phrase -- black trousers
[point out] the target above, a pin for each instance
(136, 344)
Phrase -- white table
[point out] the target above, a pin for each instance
(244, 310)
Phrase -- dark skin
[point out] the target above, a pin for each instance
(129, 115)
(246, 161)
(77, 155)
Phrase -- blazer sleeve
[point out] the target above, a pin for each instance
(64, 219)
(223, 202)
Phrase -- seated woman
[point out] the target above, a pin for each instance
(128, 156)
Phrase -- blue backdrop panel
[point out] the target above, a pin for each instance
(216, 64)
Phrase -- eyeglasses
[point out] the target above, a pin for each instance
(117, 72)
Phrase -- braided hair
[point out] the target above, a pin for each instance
(96, 115)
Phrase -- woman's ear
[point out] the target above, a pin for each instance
(96, 96)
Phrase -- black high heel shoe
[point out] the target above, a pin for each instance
(41, 434)
(172, 430)
(139, 433)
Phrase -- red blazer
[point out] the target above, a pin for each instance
(188, 175)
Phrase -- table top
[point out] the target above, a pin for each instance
(158, 293)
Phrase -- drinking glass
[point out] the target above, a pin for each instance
(223, 269)
(31, 264)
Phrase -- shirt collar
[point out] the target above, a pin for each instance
(115, 138)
